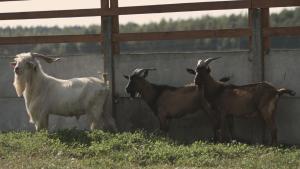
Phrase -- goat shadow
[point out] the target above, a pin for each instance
(72, 137)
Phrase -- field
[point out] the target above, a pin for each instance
(97, 149)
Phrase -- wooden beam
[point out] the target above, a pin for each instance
(257, 53)
(250, 20)
(274, 3)
(51, 14)
(239, 4)
(11, 0)
(123, 37)
(104, 4)
(50, 39)
(183, 7)
(265, 19)
(107, 50)
(114, 4)
(109, 61)
(282, 31)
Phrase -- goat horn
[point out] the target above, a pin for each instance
(207, 61)
(146, 69)
(150, 69)
(46, 58)
(141, 71)
(200, 63)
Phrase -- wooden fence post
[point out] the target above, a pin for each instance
(107, 49)
(115, 27)
(266, 24)
(257, 45)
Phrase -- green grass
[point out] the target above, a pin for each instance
(97, 149)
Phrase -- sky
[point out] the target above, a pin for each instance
(43, 5)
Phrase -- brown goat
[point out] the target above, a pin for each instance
(166, 101)
(258, 99)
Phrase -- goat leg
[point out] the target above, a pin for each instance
(230, 124)
(222, 128)
(163, 123)
(42, 123)
(271, 125)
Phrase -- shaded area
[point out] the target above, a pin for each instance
(72, 137)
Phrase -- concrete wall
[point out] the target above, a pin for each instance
(281, 69)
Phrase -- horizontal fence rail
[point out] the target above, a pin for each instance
(11, 0)
(182, 7)
(50, 39)
(182, 35)
(274, 3)
(282, 31)
(51, 14)
(150, 36)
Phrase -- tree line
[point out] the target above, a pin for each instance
(284, 18)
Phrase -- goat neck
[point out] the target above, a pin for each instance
(35, 83)
(147, 91)
(211, 87)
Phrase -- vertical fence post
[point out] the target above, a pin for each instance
(250, 26)
(257, 45)
(115, 27)
(107, 49)
(258, 60)
(266, 24)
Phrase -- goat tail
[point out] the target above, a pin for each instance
(286, 91)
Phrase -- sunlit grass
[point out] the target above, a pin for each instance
(97, 149)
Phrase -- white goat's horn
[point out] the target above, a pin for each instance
(46, 58)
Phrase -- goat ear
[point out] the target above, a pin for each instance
(191, 71)
(126, 77)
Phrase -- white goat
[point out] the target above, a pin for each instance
(46, 95)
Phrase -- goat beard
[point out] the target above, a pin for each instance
(19, 84)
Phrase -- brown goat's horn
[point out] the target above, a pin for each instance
(46, 58)
(207, 61)
(150, 69)
(141, 71)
